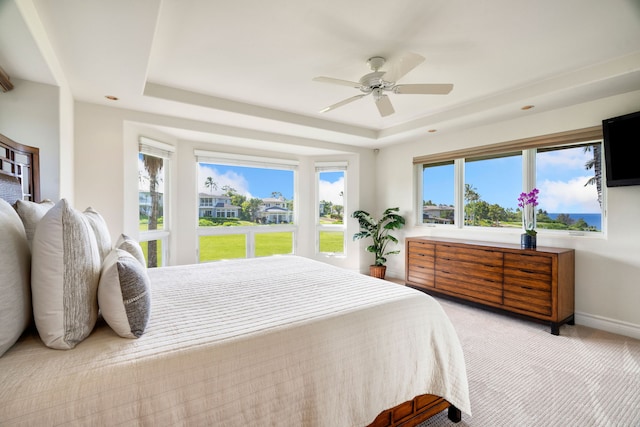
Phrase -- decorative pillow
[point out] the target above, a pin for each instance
(15, 294)
(128, 244)
(124, 294)
(101, 231)
(65, 270)
(31, 213)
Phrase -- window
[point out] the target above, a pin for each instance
(245, 206)
(491, 187)
(153, 172)
(438, 193)
(330, 190)
(565, 167)
(570, 182)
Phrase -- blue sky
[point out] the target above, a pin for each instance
(561, 176)
(251, 182)
(260, 183)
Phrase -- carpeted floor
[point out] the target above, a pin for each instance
(521, 375)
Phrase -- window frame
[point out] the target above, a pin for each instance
(152, 147)
(249, 161)
(528, 147)
(334, 166)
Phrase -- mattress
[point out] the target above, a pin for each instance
(269, 341)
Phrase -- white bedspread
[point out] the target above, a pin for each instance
(281, 341)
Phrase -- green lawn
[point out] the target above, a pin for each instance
(331, 241)
(230, 246)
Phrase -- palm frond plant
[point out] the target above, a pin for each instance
(379, 230)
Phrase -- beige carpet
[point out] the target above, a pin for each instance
(521, 375)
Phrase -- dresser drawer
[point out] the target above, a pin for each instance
(469, 255)
(421, 263)
(527, 282)
(471, 286)
(527, 298)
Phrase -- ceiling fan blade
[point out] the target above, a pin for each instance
(401, 66)
(423, 89)
(384, 106)
(337, 81)
(341, 103)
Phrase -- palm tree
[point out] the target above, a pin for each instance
(153, 166)
(210, 184)
(472, 196)
(595, 164)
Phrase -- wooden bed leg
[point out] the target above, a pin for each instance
(454, 414)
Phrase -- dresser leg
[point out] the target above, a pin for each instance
(555, 328)
(454, 414)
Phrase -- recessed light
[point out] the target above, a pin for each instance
(527, 107)
(111, 97)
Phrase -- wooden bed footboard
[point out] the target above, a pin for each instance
(413, 412)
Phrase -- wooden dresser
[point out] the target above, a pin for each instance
(536, 283)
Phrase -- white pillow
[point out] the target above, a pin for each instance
(15, 294)
(124, 294)
(101, 231)
(128, 244)
(31, 213)
(65, 270)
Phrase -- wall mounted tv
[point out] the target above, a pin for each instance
(622, 149)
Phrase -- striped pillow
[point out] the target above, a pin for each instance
(124, 294)
(65, 269)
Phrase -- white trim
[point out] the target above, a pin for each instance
(610, 325)
(232, 159)
(331, 166)
(148, 142)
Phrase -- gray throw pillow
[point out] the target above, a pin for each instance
(124, 294)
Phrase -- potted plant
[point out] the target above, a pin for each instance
(528, 202)
(378, 230)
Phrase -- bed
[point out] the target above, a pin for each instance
(281, 340)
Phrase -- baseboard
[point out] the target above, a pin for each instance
(609, 325)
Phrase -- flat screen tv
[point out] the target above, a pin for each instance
(622, 149)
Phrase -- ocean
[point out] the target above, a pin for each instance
(593, 219)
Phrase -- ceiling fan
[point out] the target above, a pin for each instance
(378, 82)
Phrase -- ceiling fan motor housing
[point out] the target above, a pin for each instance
(373, 81)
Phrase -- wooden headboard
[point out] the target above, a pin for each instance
(19, 171)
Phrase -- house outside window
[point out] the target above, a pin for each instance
(245, 206)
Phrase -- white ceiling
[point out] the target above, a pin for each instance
(249, 63)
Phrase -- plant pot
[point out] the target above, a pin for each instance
(527, 241)
(377, 271)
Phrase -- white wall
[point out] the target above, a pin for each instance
(106, 175)
(607, 268)
(30, 115)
